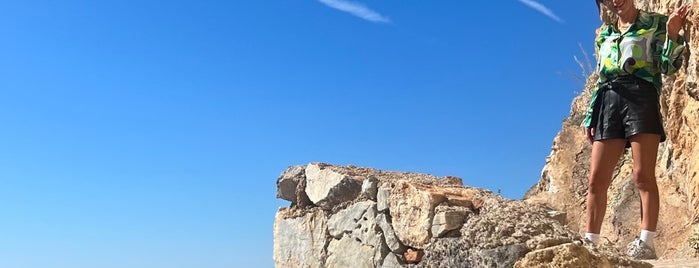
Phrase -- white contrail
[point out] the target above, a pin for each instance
(357, 9)
(541, 8)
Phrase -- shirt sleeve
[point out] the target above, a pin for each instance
(671, 51)
(587, 122)
(588, 114)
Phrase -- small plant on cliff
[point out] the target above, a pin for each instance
(693, 240)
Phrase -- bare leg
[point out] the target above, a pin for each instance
(645, 152)
(605, 155)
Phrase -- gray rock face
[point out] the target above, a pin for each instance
(446, 221)
(446, 252)
(300, 241)
(369, 188)
(348, 252)
(382, 198)
(389, 235)
(501, 257)
(391, 261)
(455, 252)
(349, 219)
(287, 182)
(359, 220)
(327, 188)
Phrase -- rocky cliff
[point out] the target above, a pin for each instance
(563, 183)
(361, 217)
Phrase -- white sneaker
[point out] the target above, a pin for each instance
(638, 249)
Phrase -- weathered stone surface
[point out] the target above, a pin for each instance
(358, 223)
(503, 222)
(287, 182)
(389, 235)
(348, 252)
(574, 255)
(446, 221)
(370, 188)
(446, 252)
(327, 188)
(300, 241)
(458, 252)
(391, 261)
(347, 220)
(367, 230)
(412, 208)
(559, 216)
(382, 198)
(381, 251)
(501, 257)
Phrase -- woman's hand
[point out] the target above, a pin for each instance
(589, 133)
(675, 22)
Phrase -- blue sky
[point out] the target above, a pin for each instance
(151, 133)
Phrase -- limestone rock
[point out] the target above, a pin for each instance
(347, 220)
(389, 235)
(327, 188)
(446, 221)
(367, 230)
(412, 208)
(291, 186)
(574, 255)
(391, 261)
(558, 216)
(300, 241)
(370, 188)
(382, 198)
(502, 256)
(348, 252)
(287, 182)
(503, 222)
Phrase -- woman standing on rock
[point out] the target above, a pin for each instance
(634, 48)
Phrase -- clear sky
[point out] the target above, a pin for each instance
(151, 133)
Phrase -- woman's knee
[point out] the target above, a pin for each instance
(597, 184)
(644, 179)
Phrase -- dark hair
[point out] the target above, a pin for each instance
(597, 2)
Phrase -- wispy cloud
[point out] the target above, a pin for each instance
(542, 9)
(356, 9)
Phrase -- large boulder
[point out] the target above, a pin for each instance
(327, 188)
(291, 186)
(412, 207)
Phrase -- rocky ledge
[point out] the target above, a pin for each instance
(347, 216)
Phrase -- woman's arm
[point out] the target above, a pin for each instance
(673, 43)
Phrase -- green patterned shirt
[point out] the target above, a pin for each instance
(643, 50)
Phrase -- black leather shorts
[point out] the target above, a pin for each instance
(626, 106)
